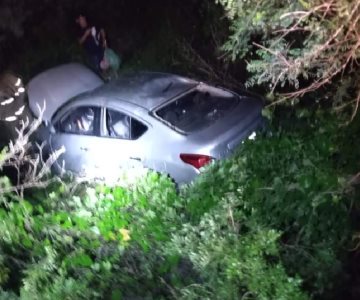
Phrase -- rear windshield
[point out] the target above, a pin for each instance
(198, 109)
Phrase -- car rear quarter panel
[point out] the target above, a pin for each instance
(162, 148)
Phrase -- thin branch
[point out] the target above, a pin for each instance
(32, 171)
(199, 63)
(355, 109)
(282, 57)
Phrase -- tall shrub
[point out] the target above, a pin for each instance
(302, 46)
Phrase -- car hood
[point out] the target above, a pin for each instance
(54, 87)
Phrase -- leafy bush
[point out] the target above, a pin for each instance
(269, 223)
(104, 242)
(234, 262)
(66, 244)
(298, 47)
(288, 181)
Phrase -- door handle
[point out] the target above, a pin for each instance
(136, 158)
(84, 149)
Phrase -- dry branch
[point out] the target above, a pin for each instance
(327, 60)
(31, 168)
(213, 73)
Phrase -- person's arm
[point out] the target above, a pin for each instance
(84, 36)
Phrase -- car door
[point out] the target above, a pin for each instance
(122, 142)
(78, 129)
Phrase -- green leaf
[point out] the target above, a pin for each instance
(116, 294)
(27, 242)
(267, 113)
(80, 260)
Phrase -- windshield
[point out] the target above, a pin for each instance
(198, 109)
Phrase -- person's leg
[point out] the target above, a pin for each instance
(94, 63)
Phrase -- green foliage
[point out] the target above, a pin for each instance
(251, 18)
(234, 263)
(287, 182)
(275, 228)
(72, 246)
(297, 46)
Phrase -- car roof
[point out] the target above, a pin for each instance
(146, 89)
(57, 85)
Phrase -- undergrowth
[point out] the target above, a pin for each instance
(271, 222)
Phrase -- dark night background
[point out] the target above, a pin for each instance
(155, 35)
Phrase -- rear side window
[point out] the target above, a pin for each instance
(122, 126)
(197, 110)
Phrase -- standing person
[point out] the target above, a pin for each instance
(93, 40)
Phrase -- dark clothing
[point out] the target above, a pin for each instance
(93, 46)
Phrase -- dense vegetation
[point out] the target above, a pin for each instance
(301, 46)
(272, 222)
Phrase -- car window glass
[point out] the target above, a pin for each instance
(117, 124)
(80, 121)
(122, 126)
(197, 110)
(137, 129)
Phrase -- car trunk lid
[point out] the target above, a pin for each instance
(223, 136)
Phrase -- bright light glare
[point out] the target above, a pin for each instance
(18, 82)
(7, 101)
(21, 89)
(20, 110)
(252, 136)
(10, 119)
(17, 94)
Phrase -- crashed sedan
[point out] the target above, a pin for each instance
(163, 122)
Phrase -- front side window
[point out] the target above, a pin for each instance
(80, 120)
(122, 126)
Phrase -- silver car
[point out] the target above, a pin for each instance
(163, 122)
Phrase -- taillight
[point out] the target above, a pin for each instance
(196, 160)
